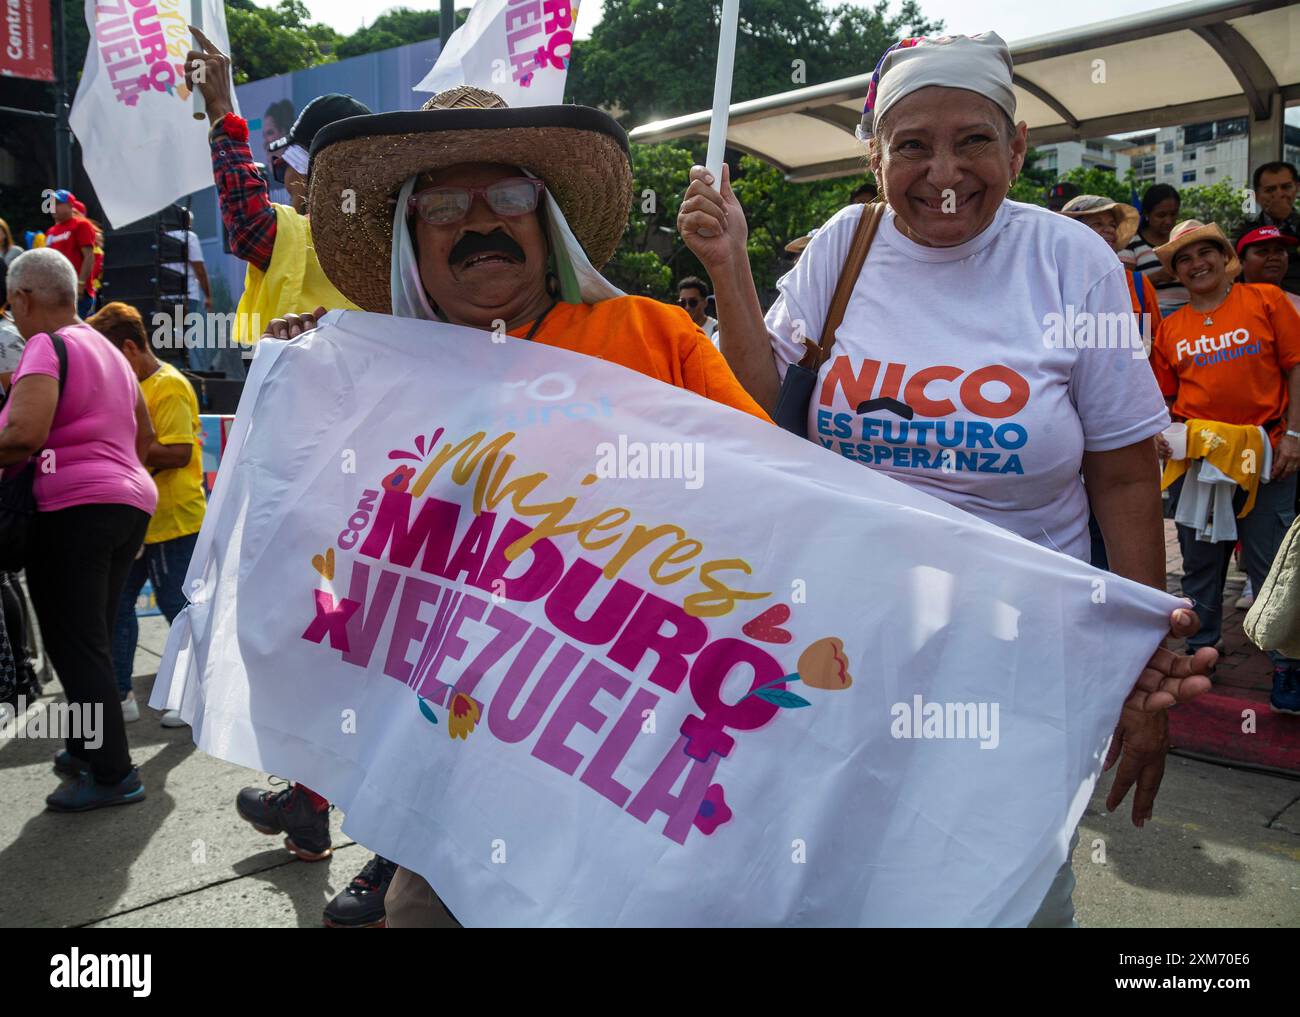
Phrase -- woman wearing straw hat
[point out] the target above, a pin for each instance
(951, 369)
(473, 213)
(1116, 222)
(1231, 357)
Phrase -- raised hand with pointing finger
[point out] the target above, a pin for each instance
(207, 71)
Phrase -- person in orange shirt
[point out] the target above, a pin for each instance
(1116, 223)
(449, 226)
(1232, 354)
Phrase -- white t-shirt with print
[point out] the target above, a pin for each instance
(1003, 399)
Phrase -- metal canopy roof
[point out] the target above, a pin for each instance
(1190, 62)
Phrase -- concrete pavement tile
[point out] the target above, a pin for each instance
(1288, 820)
(287, 894)
(186, 835)
(1206, 859)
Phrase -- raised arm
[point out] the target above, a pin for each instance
(713, 226)
(245, 200)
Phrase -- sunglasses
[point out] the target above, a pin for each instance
(688, 301)
(277, 169)
(443, 206)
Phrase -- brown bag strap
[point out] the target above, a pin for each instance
(816, 354)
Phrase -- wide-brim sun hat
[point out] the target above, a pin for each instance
(359, 164)
(1126, 216)
(797, 245)
(1192, 231)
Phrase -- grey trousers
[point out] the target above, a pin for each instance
(1205, 564)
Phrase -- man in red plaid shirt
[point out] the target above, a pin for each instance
(283, 277)
(283, 274)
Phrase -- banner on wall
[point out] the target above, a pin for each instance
(133, 115)
(587, 649)
(26, 52)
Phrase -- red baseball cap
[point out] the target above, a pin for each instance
(1262, 233)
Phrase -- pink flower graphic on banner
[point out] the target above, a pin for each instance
(422, 444)
(399, 478)
(713, 810)
(462, 716)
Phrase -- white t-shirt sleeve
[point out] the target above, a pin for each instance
(196, 249)
(806, 290)
(1114, 389)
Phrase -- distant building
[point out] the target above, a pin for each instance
(1141, 152)
(1208, 153)
(1186, 156)
(1104, 154)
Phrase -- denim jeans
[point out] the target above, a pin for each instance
(164, 564)
(1205, 563)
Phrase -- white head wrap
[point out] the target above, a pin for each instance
(976, 63)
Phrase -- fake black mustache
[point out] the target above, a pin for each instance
(496, 242)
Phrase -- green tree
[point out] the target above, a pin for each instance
(265, 41)
(1220, 203)
(398, 26)
(651, 59)
(778, 211)
(1103, 182)
(652, 253)
(1032, 184)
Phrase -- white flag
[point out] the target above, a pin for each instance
(582, 648)
(519, 49)
(133, 115)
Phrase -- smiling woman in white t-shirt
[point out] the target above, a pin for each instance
(958, 367)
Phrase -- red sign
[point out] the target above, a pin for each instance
(25, 50)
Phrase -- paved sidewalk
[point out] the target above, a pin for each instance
(1222, 850)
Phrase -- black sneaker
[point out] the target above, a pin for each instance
(68, 765)
(1285, 697)
(289, 812)
(85, 793)
(360, 904)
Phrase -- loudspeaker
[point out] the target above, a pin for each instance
(134, 272)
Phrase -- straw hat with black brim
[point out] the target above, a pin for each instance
(1193, 231)
(580, 153)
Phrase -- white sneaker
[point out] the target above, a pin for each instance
(172, 718)
(130, 708)
(1247, 597)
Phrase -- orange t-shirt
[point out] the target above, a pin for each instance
(1233, 370)
(1151, 303)
(657, 340)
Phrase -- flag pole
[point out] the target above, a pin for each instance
(722, 89)
(196, 19)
